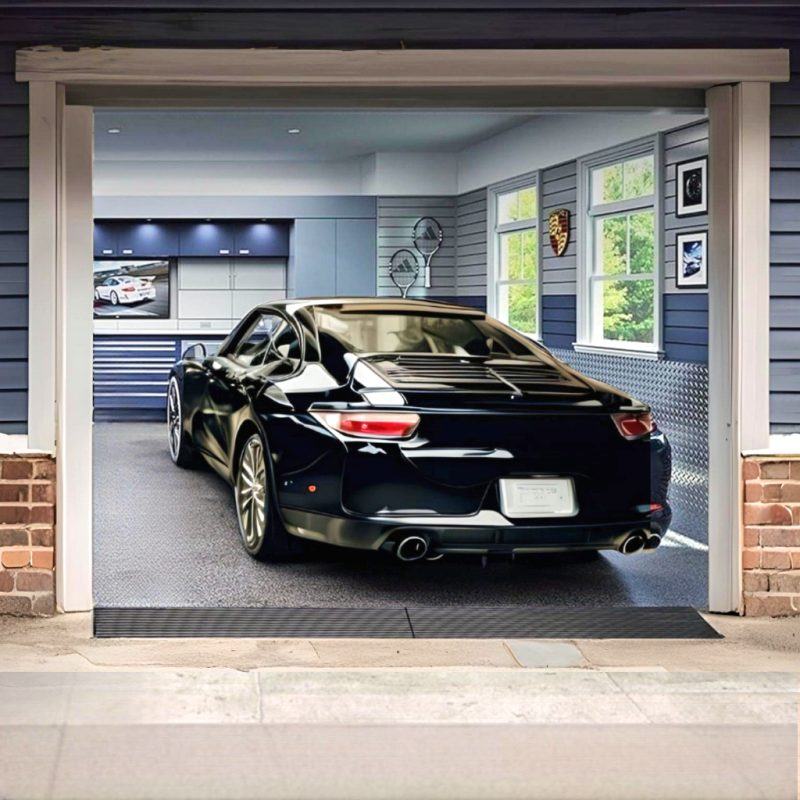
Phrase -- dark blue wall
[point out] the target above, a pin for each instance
(13, 248)
(785, 258)
(558, 320)
(685, 323)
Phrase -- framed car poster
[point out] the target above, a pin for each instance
(691, 260)
(691, 187)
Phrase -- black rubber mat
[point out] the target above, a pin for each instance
(252, 622)
(462, 622)
(560, 622)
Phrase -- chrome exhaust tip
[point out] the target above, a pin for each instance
(412, 548)
(653, 541)
(634, 543)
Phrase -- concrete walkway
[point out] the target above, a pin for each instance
(493, 733)
(405, 719)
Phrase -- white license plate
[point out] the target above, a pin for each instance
(538, 497)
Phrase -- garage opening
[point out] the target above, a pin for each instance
(585, 231)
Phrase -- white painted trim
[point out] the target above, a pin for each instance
(74, 365)
(780, 444)
(752, 260)
(676, 68)
(619, 350)
(45, 103)
(18, 444)
(738, 318)
(732, 324)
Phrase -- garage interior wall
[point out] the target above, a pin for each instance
(337, 240)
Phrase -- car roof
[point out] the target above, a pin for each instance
(430, 305)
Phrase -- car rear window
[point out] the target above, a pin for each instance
(396, 332)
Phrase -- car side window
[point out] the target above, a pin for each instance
(254, 344)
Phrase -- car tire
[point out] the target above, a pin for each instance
(260, 526)
(181, 449)
(114, 299)
(96, 295)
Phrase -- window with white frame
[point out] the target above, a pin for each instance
(515, 251)
(620, 306)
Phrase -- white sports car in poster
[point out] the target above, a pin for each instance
(134, 288)
(126, 290)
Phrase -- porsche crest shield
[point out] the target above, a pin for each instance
(558, 225)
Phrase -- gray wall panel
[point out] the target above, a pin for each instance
(559, 190)
(314, 258)
(396, 219)
(14, 152)
(683, 144)
(235, 207)
(356, 271)
(471, 243)
(785, 258)
(13, 247)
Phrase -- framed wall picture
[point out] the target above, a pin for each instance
(691, 260)
(691, 187)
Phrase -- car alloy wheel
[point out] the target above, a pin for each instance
(174, 419)
(251, 494)
(114, 298)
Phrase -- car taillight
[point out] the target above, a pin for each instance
(634, 425)
(371, 424)
(128, 288)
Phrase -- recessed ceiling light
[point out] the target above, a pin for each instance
(114, 131)
(293, 131)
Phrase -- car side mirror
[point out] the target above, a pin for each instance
(196, 352)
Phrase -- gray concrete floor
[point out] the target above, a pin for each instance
(168, 537)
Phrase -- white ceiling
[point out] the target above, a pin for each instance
(256, 135)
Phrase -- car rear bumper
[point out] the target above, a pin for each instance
(489, 532)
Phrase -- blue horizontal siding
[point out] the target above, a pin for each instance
(473, 301)
(686, 327)
(13, 248)
(558, 320)
(785, 258)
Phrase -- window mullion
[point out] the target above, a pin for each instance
(517, 225)
(628, 244)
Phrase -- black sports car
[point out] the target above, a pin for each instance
(418, 427)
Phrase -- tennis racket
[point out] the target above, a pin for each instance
(428, 236)
(404, 270)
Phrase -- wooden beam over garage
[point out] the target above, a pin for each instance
(398, 68)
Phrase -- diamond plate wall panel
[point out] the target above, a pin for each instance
(678, 394)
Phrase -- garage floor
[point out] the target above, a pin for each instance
(168, 537)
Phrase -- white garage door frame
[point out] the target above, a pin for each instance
(736, 83)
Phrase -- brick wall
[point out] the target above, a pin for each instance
(771, 557)
(27, 515)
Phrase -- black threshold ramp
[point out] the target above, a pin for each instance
(461, 622)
